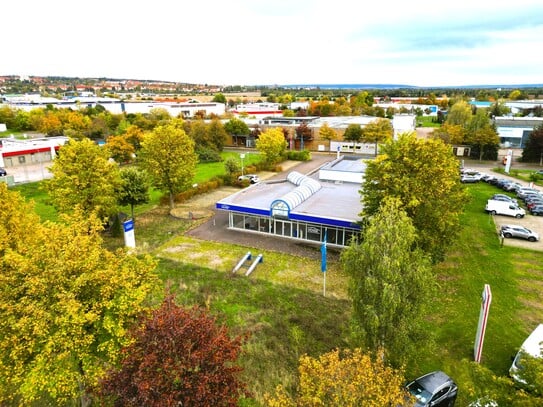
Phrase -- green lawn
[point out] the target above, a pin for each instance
(207, 171)
(427, 121)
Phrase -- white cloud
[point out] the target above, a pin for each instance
(277, 42)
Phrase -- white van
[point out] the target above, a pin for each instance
(531, 346)
(504, 208)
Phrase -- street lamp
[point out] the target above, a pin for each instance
(242, 156)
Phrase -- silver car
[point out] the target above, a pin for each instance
(520, 232)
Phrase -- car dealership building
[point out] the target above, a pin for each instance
(322, 205)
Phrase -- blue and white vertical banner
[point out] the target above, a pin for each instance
(323, 254)
(129, 237)
(323, 264)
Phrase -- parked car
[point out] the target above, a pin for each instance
(433, 389)
(503, 197)
(536, 210)
(533, 201)
(3, 172)
(511, 186)
(504, 208)
(252, 178)
(469, 179)
(487, 178)
(520, 232)
(522, 192)
(529, 196)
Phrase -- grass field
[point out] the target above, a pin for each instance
(282, 307)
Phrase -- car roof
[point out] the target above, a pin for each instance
(514, 226)
(434, 380)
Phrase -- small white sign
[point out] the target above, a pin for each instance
(129, 237)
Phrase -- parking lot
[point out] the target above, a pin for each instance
(532, 222)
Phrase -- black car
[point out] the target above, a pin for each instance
(3, 172)
(433, 389)
(537, 210)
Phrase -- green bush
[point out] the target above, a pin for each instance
(304, 155)
(207, 155)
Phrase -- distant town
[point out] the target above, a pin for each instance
(133, 89)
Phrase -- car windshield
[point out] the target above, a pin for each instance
(420, 393)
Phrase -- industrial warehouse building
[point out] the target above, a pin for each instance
(323, 205)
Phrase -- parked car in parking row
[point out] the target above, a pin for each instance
(503, 197)
(433, 389)
(467, 178)
(504, 208)
(520, 232)
(522, 192)
(536, 210)
(511, 186)
(533, 200)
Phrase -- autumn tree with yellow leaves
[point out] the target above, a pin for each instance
(348, 378)
(66, 304)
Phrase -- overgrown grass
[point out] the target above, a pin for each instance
(283, 319)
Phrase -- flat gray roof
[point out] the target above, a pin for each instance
(335, 200)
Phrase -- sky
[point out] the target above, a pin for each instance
(280, 42)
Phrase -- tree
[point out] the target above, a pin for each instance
(423, 174)
(217, 134)
(84, 178)
(303, 132)
(499, 109)
(236, 127)
(482, 135)
(134, 135)
(377, 131)
(344, 379)
(134, 188)
(533, 150)
(453, 134)
(168, 156)
(219, 98)
(272, 145)
(179, 357)
(353, 133)
(391, 284)
(327, 133)
(360, 102)
(120, 148)
(460, 114)
(65, 303)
